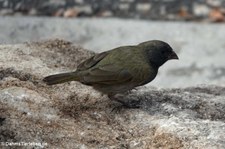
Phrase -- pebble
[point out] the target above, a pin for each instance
(124, 6)
(216, 15)
(79, 1)
(106, 13)
(6, 12)
(33, 12)
(86, 9)
(143, 7)
(127, 1)
(59, 12)
(214, 3)
(71, 12)
(201, 10)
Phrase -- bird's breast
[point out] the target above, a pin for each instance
(144, 74)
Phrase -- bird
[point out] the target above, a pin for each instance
(121, 69)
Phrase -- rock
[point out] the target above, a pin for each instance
(33, 12)
(78, 11)
(105, 13)
(79, 1)
(214, 3)
(216, 15)
(85, 9)
(124, 6)
(72, 115)
(183, 13)
(130, 1)
(201, 10)
(59, 13)
(4, 12)
(143, 7)
(70, 12)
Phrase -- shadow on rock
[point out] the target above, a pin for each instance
(196, 102)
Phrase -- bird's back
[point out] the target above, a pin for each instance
(120, 69)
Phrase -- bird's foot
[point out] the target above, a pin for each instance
(125, 105)
(133, 104)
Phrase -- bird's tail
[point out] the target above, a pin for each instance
(61, 78)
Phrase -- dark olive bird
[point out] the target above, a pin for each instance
(120, 69)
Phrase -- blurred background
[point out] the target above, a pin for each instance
(194, 28)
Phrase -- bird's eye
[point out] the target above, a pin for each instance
(165, 53)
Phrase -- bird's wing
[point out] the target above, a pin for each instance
(107, 75)
(91, 61)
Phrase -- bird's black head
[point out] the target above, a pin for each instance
(158, 52)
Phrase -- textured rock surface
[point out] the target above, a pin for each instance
(72, 115)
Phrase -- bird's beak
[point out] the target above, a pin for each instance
(173, 55)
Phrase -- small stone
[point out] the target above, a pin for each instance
(127, 1)
(171, 17)
(106, 14)
(59, 13)
(214, 3)
(80, 1)
(124, 6)
(216, 15)
(33, 12)
(143, 7)
(136, 144)
(18, 14)
(71, 12)
(5, 4)
(56, 3)
(183, 12)
(86, 9)
(162, 10)
(222, 10)
(6, 12)
(201, 10)
(18, 6)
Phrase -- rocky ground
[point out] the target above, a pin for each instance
(30, 111)
(183, 10)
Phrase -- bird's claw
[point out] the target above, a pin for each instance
(134, 104)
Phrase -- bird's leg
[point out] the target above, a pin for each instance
(131, 104)
(134, 104)
(130, 91)
(113, 97)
